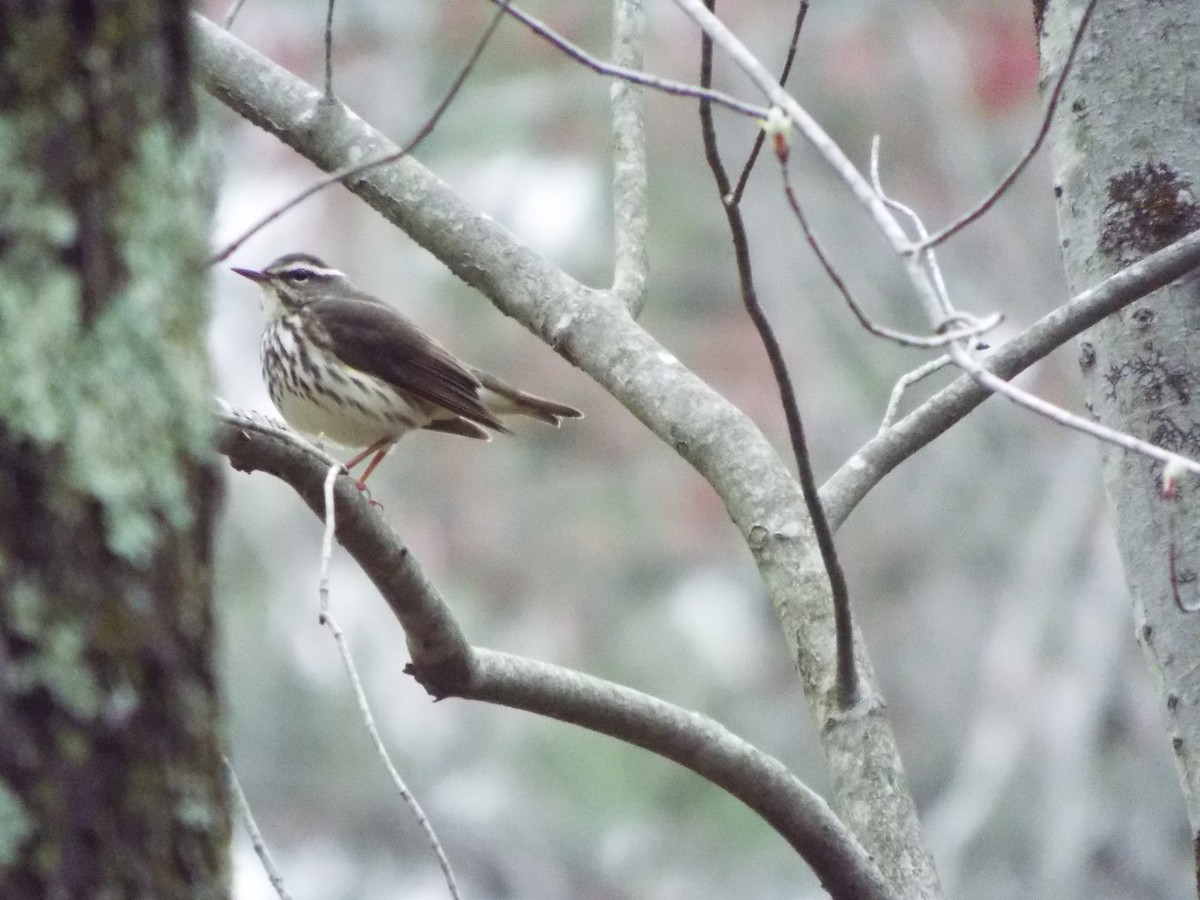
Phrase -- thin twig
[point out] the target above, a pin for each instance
(1055, 96)
(855, 478)
(236, 8)
(360, 167)
(327, 538)
(329, 52)
(666, 85)
(964, 360)
(936, 274)
(406, 795)
(961, 354)
(256, 839)
(904, 383)
(970, 327)
(736, 197)
(929, 258)
(848, 685)
(360, 695)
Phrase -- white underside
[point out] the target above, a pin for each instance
(371, 410)
(348, 426)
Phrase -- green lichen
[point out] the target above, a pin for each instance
(57, 665)
(127, 397)
(37, 295)
(24, 610)
(146, 345)
(15, 825)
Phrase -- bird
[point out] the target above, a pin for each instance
(343, 365)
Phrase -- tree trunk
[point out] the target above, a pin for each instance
(110, 780)
(1126, 161)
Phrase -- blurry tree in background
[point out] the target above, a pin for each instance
(985, 582)
(110, 776)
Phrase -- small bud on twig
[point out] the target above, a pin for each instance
(778, 128)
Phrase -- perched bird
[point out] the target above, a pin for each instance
(342, 364)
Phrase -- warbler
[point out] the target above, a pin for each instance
(346, 366)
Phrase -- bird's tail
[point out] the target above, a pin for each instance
(502, 399)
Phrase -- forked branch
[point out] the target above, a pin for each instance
(450, 667)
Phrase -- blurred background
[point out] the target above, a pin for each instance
(983, 571)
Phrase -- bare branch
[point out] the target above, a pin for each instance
(327, 537)
(692, 740)
(964, 360)
(595, 332)
(234, 9)
(849, 689)
(824, 145)
(801, 13)
(695, 742)
(866, 468)
(364, 710)
(330, 105)
(969, 329)
(242, 805)
(665, 85)
(904, 383)
(252, 442)
(1005, 183)
(630, 220)
(960, 353)
(928, 259)
(329, 52)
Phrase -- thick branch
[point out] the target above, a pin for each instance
(448, 666)
(595, 331)
(256, 444)
(866, 468)
(695, 742)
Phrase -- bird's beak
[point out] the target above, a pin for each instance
(256, 277)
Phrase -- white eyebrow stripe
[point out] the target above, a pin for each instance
(309, 269)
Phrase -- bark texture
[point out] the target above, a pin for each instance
(594, 330)
(110, 780)
(1126, 162)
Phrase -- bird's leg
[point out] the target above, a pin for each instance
(380, 448)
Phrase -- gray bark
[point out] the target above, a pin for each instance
(594, 330)
(1126, 159)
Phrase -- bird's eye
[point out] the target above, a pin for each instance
(300, 275)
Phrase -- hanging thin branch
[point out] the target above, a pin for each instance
(801, 13)
(358, 168)
(1005, 183)
(360, 695)
(848, 686)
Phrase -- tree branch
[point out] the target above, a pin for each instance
(254, 443)
(630, 220)
(631, 75)
(595, 331)
(866, 468)
(448, 667)
(329, 102)
(848, 686)
(833, 155)
(695, 742)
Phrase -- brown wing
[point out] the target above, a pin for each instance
(373, 338)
